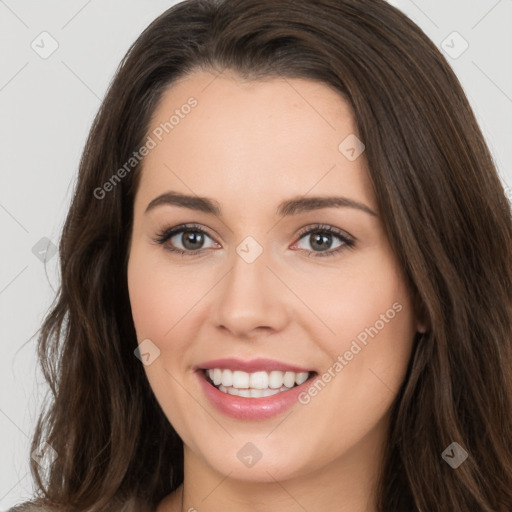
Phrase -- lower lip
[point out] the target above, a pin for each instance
(251, 408)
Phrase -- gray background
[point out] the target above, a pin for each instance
(46, 108)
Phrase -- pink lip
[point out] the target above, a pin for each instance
(251, 409)
(253, 365)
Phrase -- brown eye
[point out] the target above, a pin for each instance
(187, 240)
(192, 240)
(319, 240)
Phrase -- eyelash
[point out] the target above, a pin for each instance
(348, 242)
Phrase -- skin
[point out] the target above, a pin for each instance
(250, 145)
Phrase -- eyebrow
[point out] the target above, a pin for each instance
(286, 208)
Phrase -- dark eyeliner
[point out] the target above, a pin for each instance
(348, 241)
(164, 235)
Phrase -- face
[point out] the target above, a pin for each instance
(260, 270)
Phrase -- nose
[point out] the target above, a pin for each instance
(251, 300)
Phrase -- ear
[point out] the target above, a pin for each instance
(420, 315)
(421, 327)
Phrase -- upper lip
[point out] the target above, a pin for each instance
(250, 366)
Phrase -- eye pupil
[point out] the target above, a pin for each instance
(322, 241)
(192, 237)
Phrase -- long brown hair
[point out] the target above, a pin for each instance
(444, 210)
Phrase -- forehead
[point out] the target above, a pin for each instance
(257, 141)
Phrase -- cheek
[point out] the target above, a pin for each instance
(346, 301)
(159, 301)
(369, 314)
(366, 359)
(148, 298)
(159, 295)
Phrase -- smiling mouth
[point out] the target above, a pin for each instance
(256, 384)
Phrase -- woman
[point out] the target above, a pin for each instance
(286, 276)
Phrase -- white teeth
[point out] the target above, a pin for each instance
(301, 378)
(251, 393)
(256, 384)
(217, 376)
(275, 379)
(227, 378)
(240, 379)
(257, 393)
(259, 380)
(289, 379)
